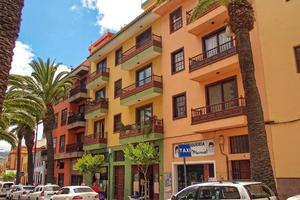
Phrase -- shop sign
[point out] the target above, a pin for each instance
(199, 148)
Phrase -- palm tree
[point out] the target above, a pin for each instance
(50, 86)
(241, 22)
(10, 19)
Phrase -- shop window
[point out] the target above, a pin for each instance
(239, 144)
(175, 20)
(119, 156)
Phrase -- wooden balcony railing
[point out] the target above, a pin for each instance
(152, 126)
(75, 117)
(222, 110)
(151, 81)
(213, 55)
(155, 40)
(78, 89)
(98, 73)
(78, 147)
(204, 12)
(96, 138)
(91, 105)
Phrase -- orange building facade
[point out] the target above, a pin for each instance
(70, 128)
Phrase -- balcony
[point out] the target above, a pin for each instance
(213, 17)
(76, 120)
(98, 78)
(222, 58)
(232, 108)
(149, 131)
(141, 53)
(96, 108)
(74, 148)
(142, 90)
(95, 141)
(72, 151)
(77, 94)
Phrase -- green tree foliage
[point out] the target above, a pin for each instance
(143, 155)
(89, 164)
(10, 176)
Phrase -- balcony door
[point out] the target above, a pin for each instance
(217, 43)
(81, 109)
(100, 94)
(222, 95)
(143, 76)
(101, 66)
(99, 129)
(144, 114)
(143, 37)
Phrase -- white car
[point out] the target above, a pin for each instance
(226, 190)
(43, 192)
(297, 197)
(20, 191)
(76, 193)
(4, 188)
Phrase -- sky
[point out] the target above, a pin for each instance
(63, 30)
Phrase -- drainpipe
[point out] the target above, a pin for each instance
(221, 146)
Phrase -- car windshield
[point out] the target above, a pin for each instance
(29, 188)
(7, 185)
(51, 188)
(258, 191)
(82, 190)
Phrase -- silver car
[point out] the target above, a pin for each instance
(19, 191)
(76, 193)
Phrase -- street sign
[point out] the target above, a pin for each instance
(184, 150)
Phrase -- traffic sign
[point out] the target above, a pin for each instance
(184, 150)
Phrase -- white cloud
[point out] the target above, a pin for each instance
(74, 8)
(113, 14)
(23, 55)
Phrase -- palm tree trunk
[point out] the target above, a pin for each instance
(48, 122)
(18, 175)
(29, 141)
(241, 21)
(10, 19)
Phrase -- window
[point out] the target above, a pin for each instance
(240, 169)
(81, 108)
(99, 128)
(189, 193)
(119, 156)
(259, 191)
(179, 106)
(118, 56)
(118, 88)
(177, 61)
(61, 165)
(143, 38)
(175, 20)
(62, 143)
(55, 120)
(64, 114)
(54, 143)
(297, 54)
(239, 144)
(144, 114)
(101, 66)
(143, 76)
(100, 94)
(216, 43)
(117, 122)
(222, 95)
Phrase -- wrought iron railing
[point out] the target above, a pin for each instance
(98, 73)
(75, 117)
(96, 138)
(154, 40)
(91, 105)
(222, 110)
(77, 147)
(78, 89)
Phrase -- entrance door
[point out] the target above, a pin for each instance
(119, 182)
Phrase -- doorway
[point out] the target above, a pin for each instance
(119, 172)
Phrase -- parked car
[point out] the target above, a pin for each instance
(43, 192)
(226, 190)
(76, 193)
(19, 191)
(4, 188)
(297, 197)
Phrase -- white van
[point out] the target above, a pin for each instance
(5, 187)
